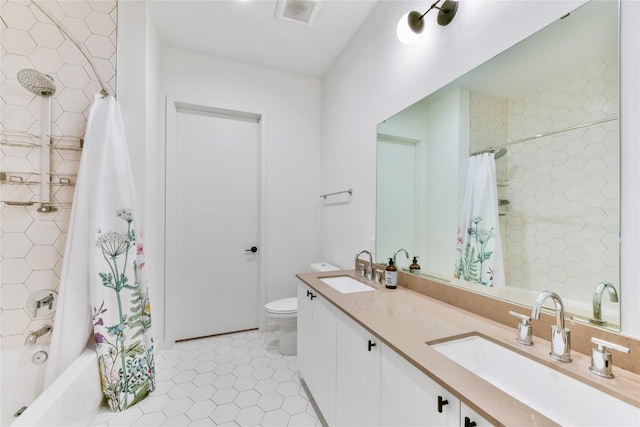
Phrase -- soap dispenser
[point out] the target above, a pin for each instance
(414, 268)
(391, 275)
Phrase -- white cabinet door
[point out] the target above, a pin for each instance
(470, 418)
(410, 398)
(358, 375)
(317, 349)
(305, 331)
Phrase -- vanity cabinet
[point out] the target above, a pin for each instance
(410, 398)
(356, 380)
(358, 375)
(317, 349)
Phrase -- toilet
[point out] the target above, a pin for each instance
(285, 311)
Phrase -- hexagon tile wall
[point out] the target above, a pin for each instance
(32, 243)
(560, 230)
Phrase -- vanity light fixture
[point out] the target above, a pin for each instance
(411, 24)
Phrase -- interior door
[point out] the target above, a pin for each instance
(216, 223)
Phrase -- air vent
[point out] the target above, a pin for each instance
(298, 11)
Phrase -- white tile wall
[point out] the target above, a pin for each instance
(560, 231)
(32, 243)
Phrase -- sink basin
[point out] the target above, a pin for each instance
(553, 394)
(346, 284)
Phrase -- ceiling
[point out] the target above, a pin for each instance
(249, 31)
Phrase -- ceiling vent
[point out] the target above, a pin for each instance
(298, 11)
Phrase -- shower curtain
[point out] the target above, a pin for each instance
(103, 294)
(479, 248)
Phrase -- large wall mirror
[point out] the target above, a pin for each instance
(547, 109)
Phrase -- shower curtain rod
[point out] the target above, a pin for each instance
(104, 92)
(542, 135)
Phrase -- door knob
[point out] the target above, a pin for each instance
(252, 250)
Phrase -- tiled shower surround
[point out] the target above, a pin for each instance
(560, 228)
(32, 243)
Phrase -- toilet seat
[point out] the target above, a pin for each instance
(282, 307)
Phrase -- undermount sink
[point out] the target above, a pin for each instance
(553, 394)
(346, 284)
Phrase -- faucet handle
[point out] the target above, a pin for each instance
(363, 270)
(378, 276)
(601, 360)
(524, 328)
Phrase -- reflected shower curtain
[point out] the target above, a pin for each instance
(479, 247)
(103, 283)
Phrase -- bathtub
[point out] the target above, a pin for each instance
(73, 399)
(22, 379)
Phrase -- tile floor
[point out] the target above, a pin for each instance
(238, 379)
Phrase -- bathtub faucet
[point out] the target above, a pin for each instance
(38, 304)
(34, 335)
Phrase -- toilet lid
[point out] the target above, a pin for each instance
(284, 306)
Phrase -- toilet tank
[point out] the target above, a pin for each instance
(323, 267)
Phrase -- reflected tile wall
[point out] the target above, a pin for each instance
(560, 231)
(32, 243)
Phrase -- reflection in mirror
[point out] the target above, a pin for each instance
(547, 110)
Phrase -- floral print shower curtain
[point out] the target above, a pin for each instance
(479, 247)
(103, 293)
(118, 292)
(122, 316)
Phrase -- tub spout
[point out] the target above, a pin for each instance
(32, 338)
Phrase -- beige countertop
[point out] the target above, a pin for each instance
(406, 320)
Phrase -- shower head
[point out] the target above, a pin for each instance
(501, 152)
(36, 82)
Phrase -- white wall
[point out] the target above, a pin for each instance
(138, 94)
(376, 76)
(291, 105)
(629, 161)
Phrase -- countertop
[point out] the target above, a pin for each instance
(406, 320)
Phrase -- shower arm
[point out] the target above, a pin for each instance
(63, 30)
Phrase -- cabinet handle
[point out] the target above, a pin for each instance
(312, 297)
(371, 344)
(469, 423)
(441, 403)
(308, 293)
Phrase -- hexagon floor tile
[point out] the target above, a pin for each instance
(253, 385)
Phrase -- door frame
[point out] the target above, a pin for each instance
(170, 231)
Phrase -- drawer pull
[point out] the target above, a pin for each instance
(441, 403)
(469, 423)
(371, 344)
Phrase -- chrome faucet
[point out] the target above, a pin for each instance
(560, 336)
(597, 301)
(395, 254)
(34, 335)
(363, 273)
(38, 304)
